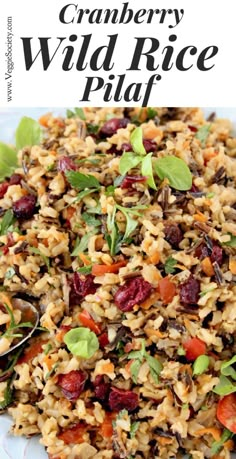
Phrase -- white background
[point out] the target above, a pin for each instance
(204, 23)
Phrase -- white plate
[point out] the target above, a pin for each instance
(18, 447)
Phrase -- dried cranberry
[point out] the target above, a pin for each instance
(217, 254)
(112, 125)
(72, 384)
(134, 291)
(194, 189)
(3, 189)
(103, 340)
(15, 179)
(25, 207)
(129, 180)
(192, 128)
(189, 291)
(10, 243)
(120, 399)
(149, 145)
(81, 286)
(101, 388)
(202, 252)
(65, 163)
(173, 235)
(126, 147)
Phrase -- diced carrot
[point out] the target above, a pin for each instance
(232, 266)
(99, 270)
(155, 296)
(209, 154)
(43, 120)
(207, 267)
(21, 238)
(128, 365)
(152, 131)
(45, 242)
(214, 431)
(84, 259)
(106, 429)
(70, 212)
(74, 434)
(48, 360)
(31, 352)
(86, 320)
(200, 217)
(5, 299)
(153, 259)
(167, 290)
(61, 333)
(151, 332)
(53, 153)
(164, 441)
(107, 368)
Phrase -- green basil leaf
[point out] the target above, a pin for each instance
(95, 210)
(127, 161)
(81, 195)
(155, 367)
(201, 364)
(231, 242)
(227, 368)
(28, 133)
(134, 370)
(46, 260)
(151, 113)
(131, 225)
(135, 355)
(136, 140)
(170, 265)
(203, 133)
(81, 181)
(7, 222)
(224, 387)
(81, 342)
(8, 161)
(218, 445)
(175, 170)
(146, 170)
(133, 429)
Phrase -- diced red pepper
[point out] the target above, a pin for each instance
(31, 352)
(194, 347)
(87, 321)
(74, 434)
(103, 340)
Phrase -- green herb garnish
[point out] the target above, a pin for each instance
(8, 161)
(170, 265)
(8, 393)
(139, 357)
(92, 128)
(78, 112)
(81, 342)
(136, 140)
(82, 181)
(202, 133)
(218, 445)
(85, 269)
(46, 259)
(127, 161)
(133, 429)
(81, 245)
(7, 222)
(91, 220)
(175, 170)
(146, 170)
(201, 364)
(10, 273)
(231, 242)
(151, 113)
(28, 133)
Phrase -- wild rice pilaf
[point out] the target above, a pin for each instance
(120, 227)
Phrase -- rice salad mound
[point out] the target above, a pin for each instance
(119, 226)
